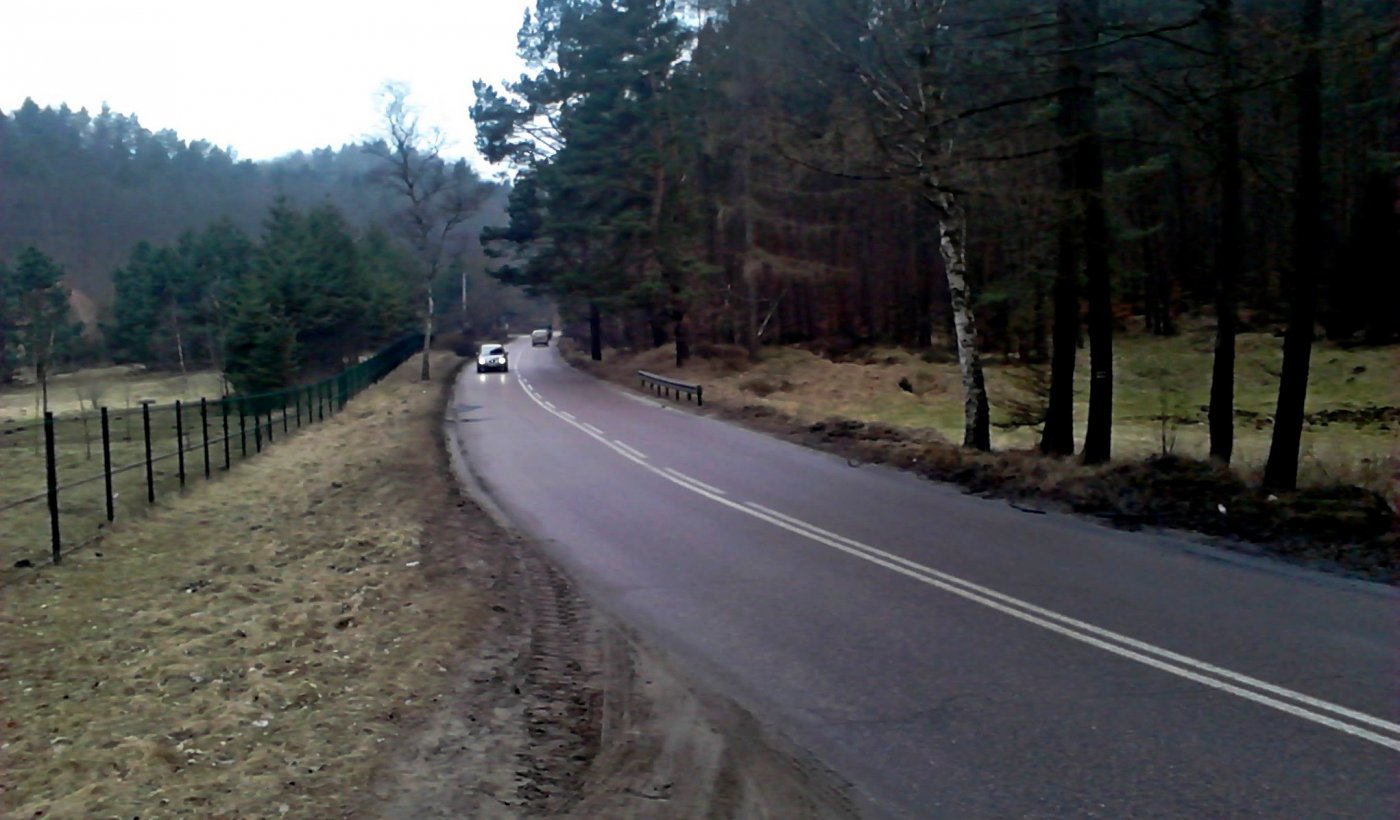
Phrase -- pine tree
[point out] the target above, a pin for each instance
(45, 331)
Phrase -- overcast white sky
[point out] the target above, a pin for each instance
(265, 78)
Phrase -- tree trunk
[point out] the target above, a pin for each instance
(424, 372)
(1098, 438)
(6, 375)
(1057, 437)
(976, 418)
(179, 340)
(1281, 471)
(1229, 256)
(595, 332)
(463, 319)
(750, 271)
(682, 334)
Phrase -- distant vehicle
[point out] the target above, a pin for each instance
(539, 338)
(492, 356)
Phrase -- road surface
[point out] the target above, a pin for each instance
(949, 656)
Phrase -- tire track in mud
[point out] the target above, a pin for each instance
(562, 700)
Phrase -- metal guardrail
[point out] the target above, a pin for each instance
(664, 386)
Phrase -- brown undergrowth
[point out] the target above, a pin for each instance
(1334, 526)
(251, 648)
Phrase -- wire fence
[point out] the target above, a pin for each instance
(53, 501)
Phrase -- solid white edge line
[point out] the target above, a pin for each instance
(988, 598)
(694, 481)
(567, 415)
(1142, 646)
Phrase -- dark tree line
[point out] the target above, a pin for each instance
(308, 297)
(86, 188)
(183, 257)
(990, 177)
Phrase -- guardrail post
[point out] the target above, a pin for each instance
(150, 467)
(204, 427)
(699, 396)
(180, 440)
(51, 460)
(107, 464)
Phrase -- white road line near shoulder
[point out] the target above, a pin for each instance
(567, 415)
(692, 481)
(1246, 680)
(631, 451)
(590, 428)
(1182, 666)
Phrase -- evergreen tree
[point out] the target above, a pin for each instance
(44, 329)
(9, 322)
(260, 349)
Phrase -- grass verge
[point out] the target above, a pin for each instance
(254, 647)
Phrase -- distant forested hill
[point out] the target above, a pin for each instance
(86, 188)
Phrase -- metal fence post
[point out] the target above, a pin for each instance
(284, 414)
(204, 427)
(180, 440)
(107, 464)
(257, 431)
(269, 424)
(150, 468)
(51, 459)
(228, 440)
(242, 431)
(297, 396)
(320, 402)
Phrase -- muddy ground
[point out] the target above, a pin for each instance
(334, 630)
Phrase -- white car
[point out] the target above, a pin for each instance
(492, 356)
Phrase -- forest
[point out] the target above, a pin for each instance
(1024, 180)
(126, 245)
(1017, 182)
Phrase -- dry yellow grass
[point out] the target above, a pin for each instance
(1155, 377)
(116, 387)
(251, 649)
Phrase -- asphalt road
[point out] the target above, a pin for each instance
(950, 656)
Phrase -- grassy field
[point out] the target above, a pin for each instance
(25, 531)
(1155, 378)
(115, 387)
(253, 648)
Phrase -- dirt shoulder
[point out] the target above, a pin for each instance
(1335, 527)
(333, 630)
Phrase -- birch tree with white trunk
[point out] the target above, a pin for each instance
(893, 58)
